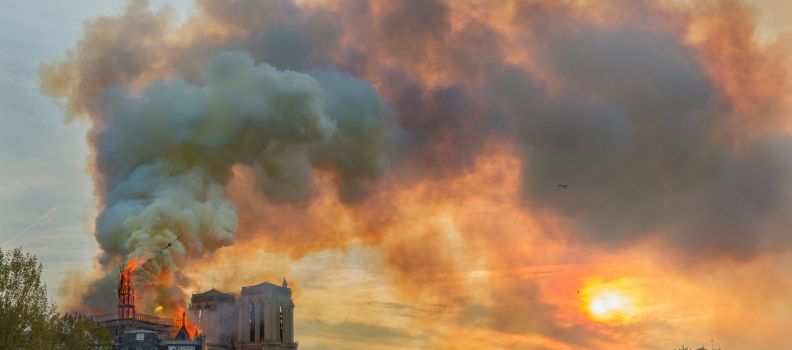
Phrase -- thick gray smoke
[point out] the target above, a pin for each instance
(165, 154)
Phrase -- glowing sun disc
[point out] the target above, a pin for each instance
(608, 303)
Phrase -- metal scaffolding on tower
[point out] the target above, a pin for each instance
(126, 295)
(127, 318)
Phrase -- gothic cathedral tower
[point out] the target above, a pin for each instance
(266, 317)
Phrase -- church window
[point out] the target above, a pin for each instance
(281, 323)
(252, 322)
(261, 321)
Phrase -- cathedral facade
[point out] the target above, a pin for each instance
(262, 318)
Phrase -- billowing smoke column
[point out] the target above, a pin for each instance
(164, 155)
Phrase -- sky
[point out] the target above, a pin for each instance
(398, 163)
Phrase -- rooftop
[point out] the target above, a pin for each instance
(267, 288)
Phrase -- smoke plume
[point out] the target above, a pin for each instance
(164, 155)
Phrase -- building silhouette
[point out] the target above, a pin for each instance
(262, 318)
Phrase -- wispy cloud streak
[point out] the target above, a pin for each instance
(29, 227)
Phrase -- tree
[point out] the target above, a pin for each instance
(77, 331)
(29, 320)
(26, 315)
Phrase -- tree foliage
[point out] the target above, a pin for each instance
(30, 320)
(77, 331)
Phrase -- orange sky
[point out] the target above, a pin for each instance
(418, 206)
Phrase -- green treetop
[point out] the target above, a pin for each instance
(30, 320)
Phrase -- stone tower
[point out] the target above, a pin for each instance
(266, 317)
(215, 313)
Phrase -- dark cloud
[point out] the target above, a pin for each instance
(448, 125)
(642, 138)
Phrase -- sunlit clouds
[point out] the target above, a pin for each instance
(399, 163)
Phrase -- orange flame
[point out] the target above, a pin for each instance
(192, 329)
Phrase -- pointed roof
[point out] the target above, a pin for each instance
(212, 294)
(215, 293)
(285, 285)
(182, 334)
(267, 288)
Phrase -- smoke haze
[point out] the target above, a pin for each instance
(425, 140)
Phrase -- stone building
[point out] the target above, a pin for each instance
(262, 318)
(215, 313)
(143, 339)
(182, 341)
(266, 313)
(140, 339)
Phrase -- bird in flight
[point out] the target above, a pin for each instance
(564, 186)
(169, 244)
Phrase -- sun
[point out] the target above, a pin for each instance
(609, 302)
(608, 305)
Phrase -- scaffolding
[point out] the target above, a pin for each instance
(127, 319)
(126, 295)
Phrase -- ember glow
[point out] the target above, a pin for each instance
(555, 174)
